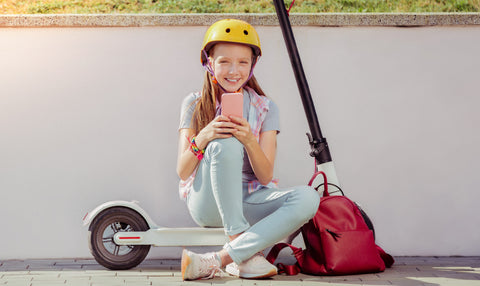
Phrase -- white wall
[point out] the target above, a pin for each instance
(89, 115)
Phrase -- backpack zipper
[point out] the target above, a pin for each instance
(333, 234)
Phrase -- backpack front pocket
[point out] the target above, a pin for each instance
(349, 252)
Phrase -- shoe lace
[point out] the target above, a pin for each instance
(260, 253)
(210, 267)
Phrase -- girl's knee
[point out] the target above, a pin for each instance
(309, 199)
(229, 148)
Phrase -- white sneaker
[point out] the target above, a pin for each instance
(256, 267)
(232, 269)
(196, 266)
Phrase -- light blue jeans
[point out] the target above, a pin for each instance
(220, 199)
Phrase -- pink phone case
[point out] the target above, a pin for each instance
(232, 104)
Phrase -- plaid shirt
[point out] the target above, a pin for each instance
(256, 117)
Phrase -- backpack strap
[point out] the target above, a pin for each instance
(282, 268)
(289, 270)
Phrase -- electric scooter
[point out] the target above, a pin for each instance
(121, 233)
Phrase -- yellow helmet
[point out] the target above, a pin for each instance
(231, 31)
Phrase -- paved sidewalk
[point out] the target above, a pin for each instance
(456, 271)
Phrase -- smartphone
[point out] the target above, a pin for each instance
(232, 104)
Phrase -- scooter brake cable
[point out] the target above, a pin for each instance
(290, 8)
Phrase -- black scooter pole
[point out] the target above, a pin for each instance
(318, 143)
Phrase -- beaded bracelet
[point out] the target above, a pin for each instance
(195, 150)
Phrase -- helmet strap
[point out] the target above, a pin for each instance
(207, 65)
(251, 71)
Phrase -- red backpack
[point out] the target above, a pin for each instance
(337, 240)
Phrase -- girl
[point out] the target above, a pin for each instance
(226, 163)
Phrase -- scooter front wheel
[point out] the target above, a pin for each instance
(102, 245)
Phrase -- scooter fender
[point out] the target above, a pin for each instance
(132, 205)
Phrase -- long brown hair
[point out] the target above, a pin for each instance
(205, 108)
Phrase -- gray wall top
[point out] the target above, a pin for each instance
(297, 19)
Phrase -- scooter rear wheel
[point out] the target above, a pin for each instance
(102, 246)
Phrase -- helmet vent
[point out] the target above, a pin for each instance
(227, 30)
(245, 32)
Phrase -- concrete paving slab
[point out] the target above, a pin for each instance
(430, 271)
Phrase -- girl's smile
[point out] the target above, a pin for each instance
(231, 64)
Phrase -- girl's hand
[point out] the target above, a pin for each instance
(242, 130)
(220, 127)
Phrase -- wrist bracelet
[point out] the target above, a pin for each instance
(195, 150)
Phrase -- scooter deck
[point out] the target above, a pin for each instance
(164, 236)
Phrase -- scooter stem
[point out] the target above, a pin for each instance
(318, 143)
